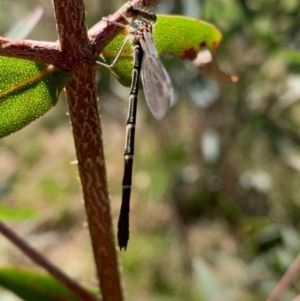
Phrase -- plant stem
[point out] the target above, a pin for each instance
(87, 132)
(285, 281)
(84, 115)
(43, 262)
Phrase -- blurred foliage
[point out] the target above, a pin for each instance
(215, 186)
(32, 286)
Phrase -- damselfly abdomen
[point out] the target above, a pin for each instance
(158, 90)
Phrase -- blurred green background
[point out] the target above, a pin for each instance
(215, 198)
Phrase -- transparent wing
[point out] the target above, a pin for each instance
(157, 84)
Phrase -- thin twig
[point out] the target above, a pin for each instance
(46, 52)
(47, 265)
(285, 281)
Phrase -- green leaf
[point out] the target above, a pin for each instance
(291, 55)
(184, 37)
(27, 91)
(32, 286)
(16, 214)
(178, 36)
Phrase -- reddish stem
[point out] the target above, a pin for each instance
(43, 262)
(286, 280)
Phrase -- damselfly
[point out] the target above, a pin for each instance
(157, 89)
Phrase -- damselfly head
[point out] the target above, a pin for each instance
(133, 12)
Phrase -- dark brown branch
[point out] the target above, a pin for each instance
(43, 262)
(87, 133)
(46, 52)
(71, 27)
